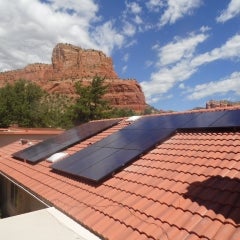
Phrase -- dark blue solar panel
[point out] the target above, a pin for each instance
(134, 138)
(165, 121)
(149, 139)
(79, 162)
(229, 119)
(204, 119)
(46, 148)
(107, 166)
(108, 155)
(98, 164)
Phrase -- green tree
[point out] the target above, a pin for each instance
(19, 104)
(119, 112)
(55, 110)
(90, 104)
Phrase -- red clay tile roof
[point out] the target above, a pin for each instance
(186, 188)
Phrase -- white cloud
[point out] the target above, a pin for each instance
(86, 11)
(154, 5)
(131, 19)
(231, 49)
(231, 83)
(138, 20)
(178, 9)
(232, 10)
(129, 29)
(184, 65)
(124, 69)
(173, 64)
(30, 29)
(204, 29)
(164, 79)
(180, 49)
(131, 43)
(149, 63)
(134, 7)
(126, 57)
(181, 86)
(107, 37)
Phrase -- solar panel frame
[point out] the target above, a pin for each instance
(52, 145)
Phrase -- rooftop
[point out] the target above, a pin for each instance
(187, 187)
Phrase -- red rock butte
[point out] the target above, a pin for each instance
(71, 64)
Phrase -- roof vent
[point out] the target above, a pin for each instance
(24, 141)
(57, 156)
(133, 118)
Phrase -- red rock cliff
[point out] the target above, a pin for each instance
(71, 64)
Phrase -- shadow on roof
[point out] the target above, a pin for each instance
(217, 193)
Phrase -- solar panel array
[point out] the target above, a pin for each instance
(103, 158)
(52, 145)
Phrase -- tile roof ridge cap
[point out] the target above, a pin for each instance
(105, 119)
(30, 130)
(218, 109)
(193, 111)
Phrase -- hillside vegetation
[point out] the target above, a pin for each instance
(25, 104)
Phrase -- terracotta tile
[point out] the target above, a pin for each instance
(236, 234)
(159, 232)
(225, 232)
(151, 228)
(212, 229)
(116, 230)
(82, 212)
(193, 237)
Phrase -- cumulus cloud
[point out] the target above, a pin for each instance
(175, 70)
(172, 10)
(154, 5)
(232, 10)
(231, 49)
(180, 49)
(178, 9)
(138, 20)
(134, 7)
(129, 29)
(132, 19)
(107, 37)
(30, 29)
(230, 84)
(173, 65)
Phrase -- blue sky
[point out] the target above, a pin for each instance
(182, 52)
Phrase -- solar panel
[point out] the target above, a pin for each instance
(229, 119)
(107, 166)
(46, 148)
(99, 160)
(163, 121)
(204, 119)
(105, 157)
